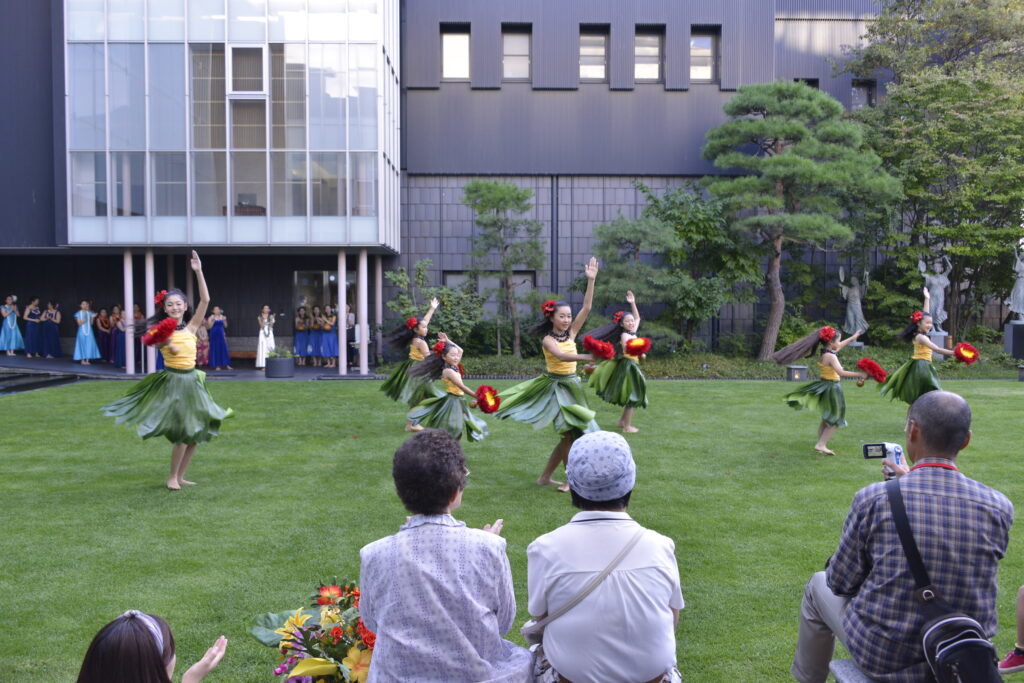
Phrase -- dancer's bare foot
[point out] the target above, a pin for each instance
(630, 429)
(824, 451)
(413, 428)
(173, 485)
(549, 482)
(186, 482)
(564, 488)
(228, 367)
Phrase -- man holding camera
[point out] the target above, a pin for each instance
(865, 596)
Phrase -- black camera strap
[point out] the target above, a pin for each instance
(925, 591)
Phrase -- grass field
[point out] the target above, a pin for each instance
(300, 480)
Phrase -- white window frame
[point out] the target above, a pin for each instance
(229, 71)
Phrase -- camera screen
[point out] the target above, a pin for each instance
(874, 450)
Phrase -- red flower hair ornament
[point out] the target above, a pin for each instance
(617, 318)
(548, 308)
(439, 348)
(412, 322)
(916, 316)
(827, 334)
(159, 297)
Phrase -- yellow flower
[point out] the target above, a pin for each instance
(329, 614)
(314, 666)
(295, 621)
(358, 664)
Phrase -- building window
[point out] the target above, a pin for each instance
(704, 54)
(647, 56)
(809, 82)
(515, 56)
(249, 124)
(209, 184)
(455, 53)
(249, 181)
(593, 54)
(289, 178)
(329, 183)
(288, 96)
(863, 94)
(364, 184)
(208, 129)
(88, 184)
(168, 175)
(129, 175)
(247, 69)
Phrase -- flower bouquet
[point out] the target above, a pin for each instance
(325, 642)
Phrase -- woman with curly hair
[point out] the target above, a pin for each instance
(825, 393)
(400, 386)
(556, 398)
(619, 380)
(917, 376)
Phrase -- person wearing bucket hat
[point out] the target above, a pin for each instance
(578, 645)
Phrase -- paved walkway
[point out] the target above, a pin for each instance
(244, 369)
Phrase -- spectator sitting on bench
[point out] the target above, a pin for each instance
(865, 596)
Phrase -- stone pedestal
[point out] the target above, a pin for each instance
(796, 373)
(1013, 339)
(855, 345)
(938, 338)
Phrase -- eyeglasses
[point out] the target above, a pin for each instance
(467, 471)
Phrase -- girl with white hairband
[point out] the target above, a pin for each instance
(139, 648)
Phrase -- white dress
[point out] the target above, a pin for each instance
(265, 341)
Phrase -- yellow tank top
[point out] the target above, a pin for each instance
(922, 352)
(185, 358)
(828, 372)
(415, 353)
(450, 387)
(561, 367)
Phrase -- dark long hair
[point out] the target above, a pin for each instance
(801, 348)
(544, 326)
(432, 366)
(611, 332)
(125, 651)
(912, 330)
(401, 336)
(160, 314)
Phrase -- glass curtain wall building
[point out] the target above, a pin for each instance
(232, 122)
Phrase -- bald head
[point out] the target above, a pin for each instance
(944, 420)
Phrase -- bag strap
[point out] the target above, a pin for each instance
(594, 583)
(924, 588)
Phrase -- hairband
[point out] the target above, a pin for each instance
(150, 624)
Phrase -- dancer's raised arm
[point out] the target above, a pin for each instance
(590, 270)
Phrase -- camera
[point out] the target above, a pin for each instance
(887, 449)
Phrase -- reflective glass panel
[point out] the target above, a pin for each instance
(702, 58)
(516, 57)
(364, 184)
(125, 20)
(592, 56)
(362, 96)
(129, 175)
(206, 20)
(249, 124)
(208, 96)
(249, 184)
(327, 76)
(247, 20)
(329, 187)
(363, 21)
(288, 175)
(127, 96)
(327, 20)
(247, 69)
(647, 57)
(167, 96)
(166, 19)
(455, 56)
(169, 184)
(288, 96)
(86, 110)
(88, 184)
(209, 186)
(85, 19)
(287, 20)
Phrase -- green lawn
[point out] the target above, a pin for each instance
(300, 480)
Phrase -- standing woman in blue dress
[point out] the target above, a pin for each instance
(51, 330)
(301, 335)
(217, 323)
(10, 335)
(174, 403)
(316, 336)
(120, 327)
(329, 340)
(85, 341)
(33, 331)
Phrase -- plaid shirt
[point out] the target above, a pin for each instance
(961, 528)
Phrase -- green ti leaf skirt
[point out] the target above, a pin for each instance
(408, 390)
(450, 413)
(620, 382)
(824, 395)
(557, 400)
(913, 379)
(171, 403)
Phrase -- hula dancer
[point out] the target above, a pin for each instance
(619, 380)
(917, 376)
(825, 393)
(556, 397)
(399, 386)
(174, 402)
(449, 411)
